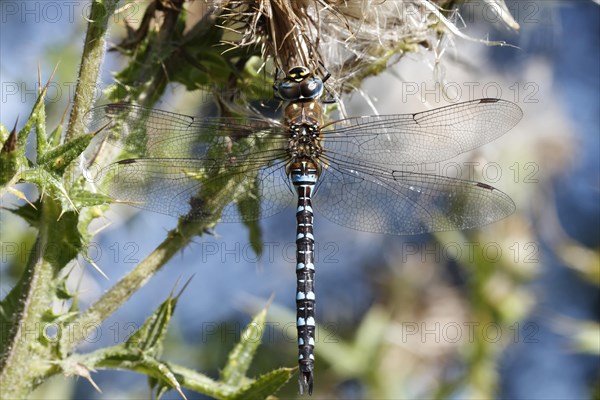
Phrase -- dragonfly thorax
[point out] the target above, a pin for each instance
(304, 141)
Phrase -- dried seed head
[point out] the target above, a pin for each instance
(351, 39)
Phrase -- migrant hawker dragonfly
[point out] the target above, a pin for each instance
(356, 170)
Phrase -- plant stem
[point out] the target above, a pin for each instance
(26, 360)
(91, 61)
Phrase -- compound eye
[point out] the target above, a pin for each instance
(311, 88)
(288, 91)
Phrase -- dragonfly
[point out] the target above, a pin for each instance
(354, 169)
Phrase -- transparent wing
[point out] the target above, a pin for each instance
(186, 160)
(176, 165)
(181, 187)
(397, 202)
(145, 132)
(426, 137)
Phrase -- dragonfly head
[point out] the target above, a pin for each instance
(299, 84)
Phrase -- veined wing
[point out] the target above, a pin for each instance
(145, 132)
(188, 187)
(397, 202)
(175, 164)
(425, 137)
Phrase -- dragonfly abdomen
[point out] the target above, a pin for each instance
(304, 175)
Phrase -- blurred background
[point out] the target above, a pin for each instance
(509, 310)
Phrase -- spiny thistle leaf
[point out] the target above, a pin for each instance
(71, 368)
(58, 158)
(10, 159)
(12, 155)
(162, 373)
(20, 195)
(140, 350)
(30, 214)
(66, 241)
(148, 339)
(199, 383)
(241, 356)
(51, 163)
(160, 386)
(265, 385)
(50, 185)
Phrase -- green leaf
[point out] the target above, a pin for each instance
(140, 350)
(73, 368)
(11, 156)
(95, 207)
(201, 383)
(161, 388)
(241, 356)
(57, 159)
(162, 373)
(50, 185)
(37, 117)
(65, 243)
(56, 134)
(63, 292)
(266, 385)
(249, 204)
(30, 213)
(256, 85)
(148, 339)
(207, 68)
(40, 126)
